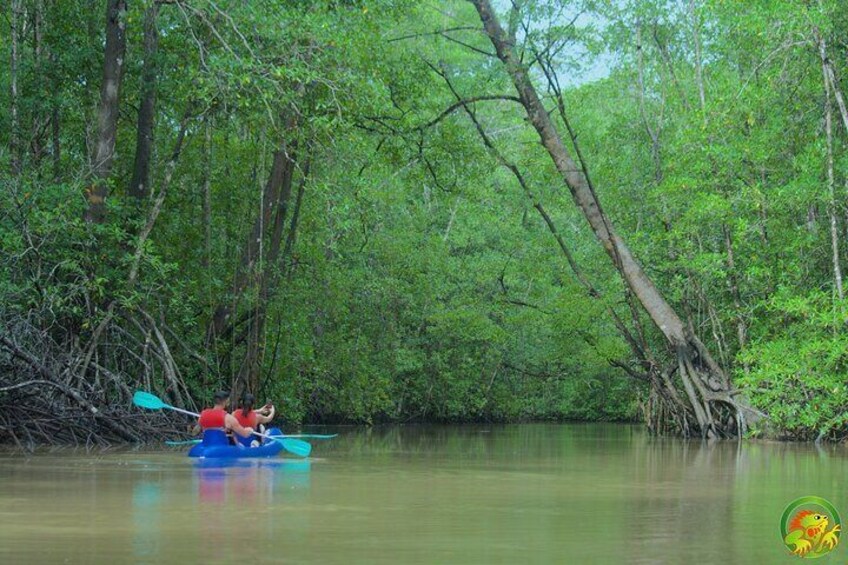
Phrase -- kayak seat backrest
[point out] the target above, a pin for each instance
(246, 441)
(215, 437)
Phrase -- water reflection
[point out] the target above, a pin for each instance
(682, 490)
(245, 482)
(232, 501)
(146, 501)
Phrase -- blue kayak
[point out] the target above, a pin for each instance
(216, 445)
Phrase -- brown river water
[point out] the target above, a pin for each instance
(534, 493)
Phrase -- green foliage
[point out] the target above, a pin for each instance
(797, 371)
(422, 284)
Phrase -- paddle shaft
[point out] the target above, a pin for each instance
(180, 410)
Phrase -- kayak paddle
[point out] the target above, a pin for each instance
(152, 402)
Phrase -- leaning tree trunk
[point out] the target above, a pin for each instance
(107, 112)
(707, 388)
(140, 183)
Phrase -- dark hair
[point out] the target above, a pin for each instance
(247, 404)
(221, 396)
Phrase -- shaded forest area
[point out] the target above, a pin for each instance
(400, 211)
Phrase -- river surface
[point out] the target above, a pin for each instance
(533, 493)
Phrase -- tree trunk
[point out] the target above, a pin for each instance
(250, 253)
(107, 113)
(741, 328)
(281, 214)
(292, 235)
(38, 120)
(170, 166)
(696, 36)
(14, 126)
(830, 77)
(831, 207)
(250, 371)
(764, 237)
(654, 134)
(56, 149)
(55, 108)
(831, 84)
(140, 183)
(207, 196)
(55, 121)
(701, 377)
(663, 49)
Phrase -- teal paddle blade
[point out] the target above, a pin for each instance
(296, 446)
(149, 401)
(184, 442)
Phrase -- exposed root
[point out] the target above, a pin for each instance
(57, 393)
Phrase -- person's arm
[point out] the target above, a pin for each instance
(265, 418)
(232, 424)
(196, 429)
(265, 409)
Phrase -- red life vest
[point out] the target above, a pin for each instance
(249, 421)
(213, 418)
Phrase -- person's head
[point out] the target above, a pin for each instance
(221, 399)
(247, 402)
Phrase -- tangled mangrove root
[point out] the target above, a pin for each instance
(60, 393)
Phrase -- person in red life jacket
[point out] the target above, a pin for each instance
(215, 422)
(247, 416)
